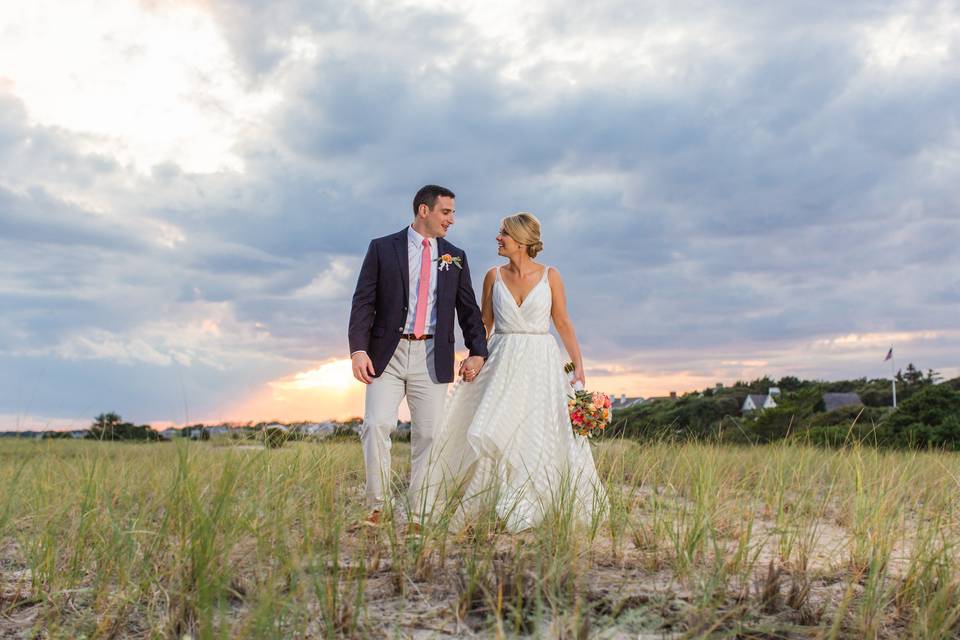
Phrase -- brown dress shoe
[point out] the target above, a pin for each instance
(373, 520)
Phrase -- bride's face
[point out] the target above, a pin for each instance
(506, 245)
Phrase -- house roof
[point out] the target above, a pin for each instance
(758, 399)
(833, 401)
(617, 403)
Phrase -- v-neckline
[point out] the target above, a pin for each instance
(519, 305)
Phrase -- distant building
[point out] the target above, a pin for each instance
(318, 430)
(197, 433)
(832, 401)
(623, 402)
(756, 401)
(773, 392)
(169, 433)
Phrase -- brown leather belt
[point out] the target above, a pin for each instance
(410, 336)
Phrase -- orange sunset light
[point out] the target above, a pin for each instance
(329, 391)
(336, 375)
(324, 392)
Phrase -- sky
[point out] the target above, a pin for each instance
(729, 190)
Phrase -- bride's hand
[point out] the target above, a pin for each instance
(470, 368)
(578, 377)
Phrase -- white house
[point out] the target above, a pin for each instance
(757, 401)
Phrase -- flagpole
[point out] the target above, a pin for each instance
(893, 379)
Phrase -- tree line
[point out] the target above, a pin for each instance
(928, 413)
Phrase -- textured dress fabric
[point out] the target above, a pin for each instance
(507, 434)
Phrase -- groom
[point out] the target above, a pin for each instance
(401, 338)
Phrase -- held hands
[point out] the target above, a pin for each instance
(470, 368)
(362, 367)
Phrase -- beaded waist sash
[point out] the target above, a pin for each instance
(522, 333)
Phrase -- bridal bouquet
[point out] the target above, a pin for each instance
(589, 410)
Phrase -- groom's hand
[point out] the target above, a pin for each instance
(470, 368)
(362, 367)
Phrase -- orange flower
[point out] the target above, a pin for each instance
(446, 260)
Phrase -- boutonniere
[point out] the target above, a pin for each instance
(446, 260)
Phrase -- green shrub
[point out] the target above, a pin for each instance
(846, 415)
(838, 435)
(929, 418)
(274, 438)
(931, 406)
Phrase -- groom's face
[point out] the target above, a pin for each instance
(438, 220)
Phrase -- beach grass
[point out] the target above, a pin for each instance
(213, 540)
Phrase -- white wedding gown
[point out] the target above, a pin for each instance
(506, 436)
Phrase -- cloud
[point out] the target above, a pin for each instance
(720, 186)
(104, 346)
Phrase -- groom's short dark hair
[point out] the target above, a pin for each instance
(428, 195)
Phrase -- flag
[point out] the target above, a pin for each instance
(889, 354)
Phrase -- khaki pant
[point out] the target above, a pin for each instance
(409, 373)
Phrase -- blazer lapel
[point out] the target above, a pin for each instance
(441, 249)
(400, 244)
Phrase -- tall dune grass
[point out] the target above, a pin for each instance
(699, 540)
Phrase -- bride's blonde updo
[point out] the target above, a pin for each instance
(524, 228)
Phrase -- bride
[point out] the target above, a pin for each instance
(506, 439)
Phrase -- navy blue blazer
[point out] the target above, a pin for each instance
(379, 308)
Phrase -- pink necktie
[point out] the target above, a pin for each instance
(420, 322)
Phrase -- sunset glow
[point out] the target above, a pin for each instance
(327, 391)
(335, 375)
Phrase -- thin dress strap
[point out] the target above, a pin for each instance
(545, 271)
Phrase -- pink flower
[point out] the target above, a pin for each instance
(577, 417)
(599, 399)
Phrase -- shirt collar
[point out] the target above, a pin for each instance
(415, 238)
